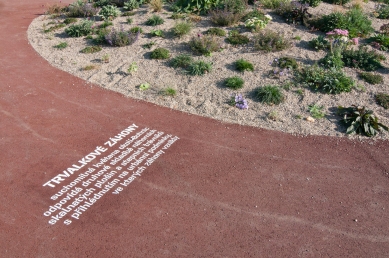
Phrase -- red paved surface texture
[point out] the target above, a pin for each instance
(221, 190)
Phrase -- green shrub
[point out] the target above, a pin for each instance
(234, 6)
(287, 62)
(82, 29)
(182, 61)
(129, 20)
(216, 31)
(331, 81)
(273, 4)
(269, 94)
(105, 24)
(224, 17)
(91, 49)
(148, 45)
(234, 82)
(136, 30)
(100, 39)
(270, 41)
(243, 65)
(109, 12)
(182, 28)
(195, 6)
(154, 20)
(362, 59)
(355, 21)
(332, 60)
(131, 5)
(205, 44)
(169, 92)
(235, 38)
(61, 45)
(380, 41)
(319, 43)
(382, 11)
(382, 99)
(70, 20)
(157, 33)
(160, 53)
(361, 121)
(199, 68)
(253, 14)
(316, 111)
(371, 78)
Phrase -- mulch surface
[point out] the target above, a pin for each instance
(221, 190)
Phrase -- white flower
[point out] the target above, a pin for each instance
(268, 17)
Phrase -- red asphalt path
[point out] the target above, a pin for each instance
(221, 190)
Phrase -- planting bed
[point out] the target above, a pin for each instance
(207, 95)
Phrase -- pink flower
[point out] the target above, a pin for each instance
(355, 41)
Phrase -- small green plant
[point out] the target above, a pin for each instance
(70, 20)
(120, 38)
(234, 82)
(160, 53)
(243, 65)
(362, 59)
(382, 11)
(332, 60)
(256, 24)
(297, 38)
(270, 41)
(319, 43)
(54, 28)
(382, 99)
(198, 6)
(61, 45)
(371, 78)
(129, 20)
(144, 86)
(109, 12)
(273, 115)
(316, 111)
(330, 81)
(224, 17)
(254, 14)
(361, 121)
(205, 44)
(82, 29)
(380, 41)
(148, 45)
(182, 61)
(136, 30)
(157, 33)
(126, 14)
(105, 24)
(89, 67)
(235, 38)
(81, 9)
(156, 5)
(133, 68)
(131, 5)
(105, 58)
(199, 68)
(299, 92)
(154, 20)
(216, 31)
(169, 92)
(91, 49)
(177, 16)
(287, 62)
(294, 12)
(269, 94)
(273, 4)
(182, 28)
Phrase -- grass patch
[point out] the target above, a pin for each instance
(234, 82)
(371, 78)
(235, 38)
(61, 45)
(382, 99)
(269, 94)
(243, 65)
(182, 61)
(199, 68)
(182, 28)
(91, 49)
(160, 53)
(154, 20)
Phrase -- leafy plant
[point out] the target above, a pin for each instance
(319, 43)
(382, 99)
(273, 115)
(257, 23)
(195, 6)
(144, 86)
(120, 38)
(156, 5)
(61, 45)
(70, 20)
(235, 6)
(205, 44)
(129, 20)
(131, 5)
(253, 14)
(316, 111)
(82, 29)
(182, 28)
(269, 94)
(91, 49)
(361, 121)
(243, 65)
(169, 92)
(199, 68)
(136, 30)
(160, 53)
(182, 61)
(54, 28)
(273, 4)
(331, 81)
(382, 11)
(133, 68)
(224, 17)
(148, 45)
(105, 24)
(109, 12)
(371, 78)
(332, 60)
(154, 20)
(216, 31)
(270, 41)
(286, 62)
(234, 82)
(380, 41)
(105, 58)
(235, 38)
(89, 67)
(157, 33)
(362, 59)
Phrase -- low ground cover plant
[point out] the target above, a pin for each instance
(319, 43)
(182, 61)
(224, 17)
(269, 94)
(131, 5)
(81, 29)
(294, 12)
(169, 91)
(61, 45)
(155, 20)
(109, 12)
(234, 82)
(270, 41)
(361, 121)
(235, 38)
(216, 31)
(199, 68)
(253, 14)
(91, 49)
(371, 78)
(382, 99)
(380, 41)
(205, 44)
(70, 20)
(195, 6)
(273, 4)
(316, 111)
(157, 33)
(243, 65)
(182, 28)
(121, 38)
(382, 11)
(81, 9)
(160, 53)
(330, 81)
(256, 24)
(136, 30)
(362, 59)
